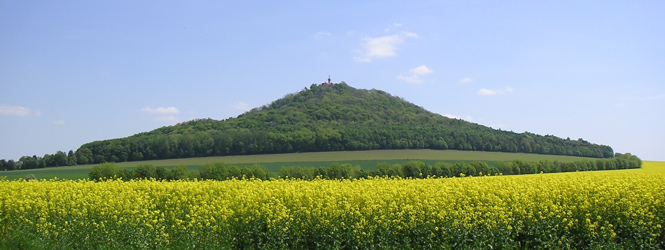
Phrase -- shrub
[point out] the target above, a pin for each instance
(105, 171)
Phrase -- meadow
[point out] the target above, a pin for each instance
(365, 159)
(615, 209)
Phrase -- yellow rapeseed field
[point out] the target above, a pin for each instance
(615, 209)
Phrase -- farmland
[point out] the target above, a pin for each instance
(601, 209)
(273, 162)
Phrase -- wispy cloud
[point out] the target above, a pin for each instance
(394, 25)
(380, 47)
(161, 110)
(498, 126)
(241, 106)
(421, 70)
(655, 97)
(322, 35)
(465, 80)
(488, 92)
(59, 122)
(416, 73)
(166, 114)
(411, 79)
(17, 111)
(168, 119)
(632, 99)
(466, 118)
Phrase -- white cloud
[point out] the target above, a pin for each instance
(168, 119)
(241, 106)
(421, 70)
(498, 126)
(624, 101)
(394, 25)
(17, 111)
(379, 47)
(415, 77)
(59, 122)
(494, 91)
(165, 114)
(322, 35)
(465, 80)
(411, 79)
(385, 46)
(487, 92)
(641, 98)
(161, 110)
(655, 97)
(410, 34)
(466, 118)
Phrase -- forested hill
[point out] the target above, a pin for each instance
(327, 118)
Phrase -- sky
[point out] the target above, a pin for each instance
(73, 72)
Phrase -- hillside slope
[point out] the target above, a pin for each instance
(328, 118)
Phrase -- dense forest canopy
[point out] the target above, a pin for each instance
(323, 118)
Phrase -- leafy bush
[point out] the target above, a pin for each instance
(105, 171)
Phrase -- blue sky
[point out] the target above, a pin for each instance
(73, 72)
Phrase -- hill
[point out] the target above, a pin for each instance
(334, 117)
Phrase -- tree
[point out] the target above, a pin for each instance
(84, 156)
(104, 171)
(59, 159)
(29, 162)
(145, 171)
(41, 163)
(163, 174)
(71, 158)
(10, 165)
(217, 171)
(48, 160)
(180, 172)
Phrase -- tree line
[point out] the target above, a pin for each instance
(58, 159)
(412, 169)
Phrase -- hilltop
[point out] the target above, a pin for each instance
(328, 117)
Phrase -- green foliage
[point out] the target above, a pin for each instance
(145, 172)
(180, 173)
(105, 171)
(219, 171)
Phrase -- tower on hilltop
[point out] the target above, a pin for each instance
(328, 83)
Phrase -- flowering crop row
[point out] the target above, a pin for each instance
(616, 209)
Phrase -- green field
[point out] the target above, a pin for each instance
(365, 159)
